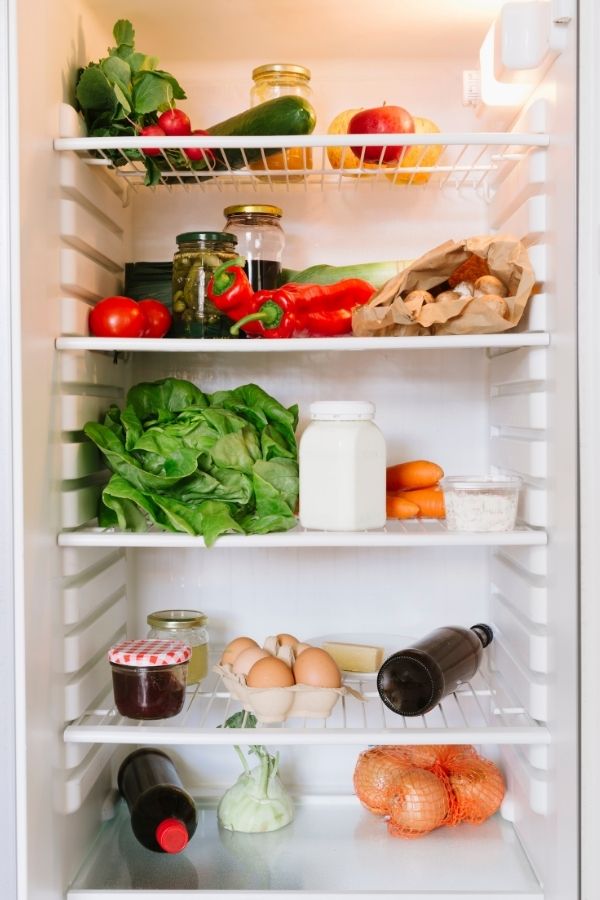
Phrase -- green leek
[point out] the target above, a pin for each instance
(376, 273)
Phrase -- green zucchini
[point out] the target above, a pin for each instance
(283, 115)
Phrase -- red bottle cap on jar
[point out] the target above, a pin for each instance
(148, 652)
(172, 835)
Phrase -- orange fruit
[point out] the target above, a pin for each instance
(415, 156)
(343, 157)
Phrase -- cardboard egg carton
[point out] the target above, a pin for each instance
(277, 704)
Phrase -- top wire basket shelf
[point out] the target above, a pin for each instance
(458, 161)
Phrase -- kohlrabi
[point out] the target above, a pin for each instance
(258, 800)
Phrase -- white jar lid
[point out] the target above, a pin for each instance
(342, 410)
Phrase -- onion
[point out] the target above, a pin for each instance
(449, 755)
(419, 803)
(423, 756)
(376, 775)
(478, 788)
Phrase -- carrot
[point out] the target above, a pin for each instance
(411, 476)
(398, 507)
(430, 502)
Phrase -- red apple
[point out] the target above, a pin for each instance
(381, 120)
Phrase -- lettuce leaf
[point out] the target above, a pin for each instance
(203, 465)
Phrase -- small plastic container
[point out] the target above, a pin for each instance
(149, 677)
(481, 503)
(188, 625)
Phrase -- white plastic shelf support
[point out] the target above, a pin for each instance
(467, 161)
(483, 711)
(507, 341)
(409, 533)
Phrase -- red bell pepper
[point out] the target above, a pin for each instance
(292, 310)
(273, 315)
(229, 287)
(346, 294)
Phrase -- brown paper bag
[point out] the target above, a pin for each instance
(507, 258)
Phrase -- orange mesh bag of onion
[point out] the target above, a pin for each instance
(477, 787)
(419, 803)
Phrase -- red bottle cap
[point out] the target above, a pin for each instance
(172, 835)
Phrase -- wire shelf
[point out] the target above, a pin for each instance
(483, 711)
(407, 533)
(465, 161)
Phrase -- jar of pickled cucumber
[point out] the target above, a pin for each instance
(198, 254)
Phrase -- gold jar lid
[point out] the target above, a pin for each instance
(176, 619)
(263, 209)
(281, 69)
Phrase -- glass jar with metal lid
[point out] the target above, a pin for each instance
(260, 240)
(187, 625)
(276, 80)
(198, 254)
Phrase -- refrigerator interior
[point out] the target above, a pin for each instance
(469, 408)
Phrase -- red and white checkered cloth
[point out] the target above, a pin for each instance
(149, 652)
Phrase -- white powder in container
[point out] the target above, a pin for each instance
(487, 503)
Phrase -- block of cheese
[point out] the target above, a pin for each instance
(355, 657)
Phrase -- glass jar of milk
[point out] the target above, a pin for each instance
(342, 468)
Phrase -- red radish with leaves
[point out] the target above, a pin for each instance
(175, 122)
(147, 131)
(195, 154)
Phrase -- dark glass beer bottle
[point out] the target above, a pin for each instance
(163, 815)
(414, 680)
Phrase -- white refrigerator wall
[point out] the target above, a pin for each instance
(432, 404)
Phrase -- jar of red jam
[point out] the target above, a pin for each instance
(149, 677)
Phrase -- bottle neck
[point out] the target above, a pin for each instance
(172, 835)
(484, 633)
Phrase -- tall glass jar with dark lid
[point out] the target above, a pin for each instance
(260, 240)
(198, 254)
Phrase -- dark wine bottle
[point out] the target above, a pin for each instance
(414, 680)
(163, 815)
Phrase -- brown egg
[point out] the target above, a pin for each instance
(317, 668)
(300, 648)
(270, 673)
(246, 659)
(287, 640)
(234, 648)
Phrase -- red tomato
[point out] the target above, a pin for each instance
(195, 153)
(175, 122)
(158, 318)
(117, 317)
(149, 130)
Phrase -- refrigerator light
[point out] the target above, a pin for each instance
(493, 91)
